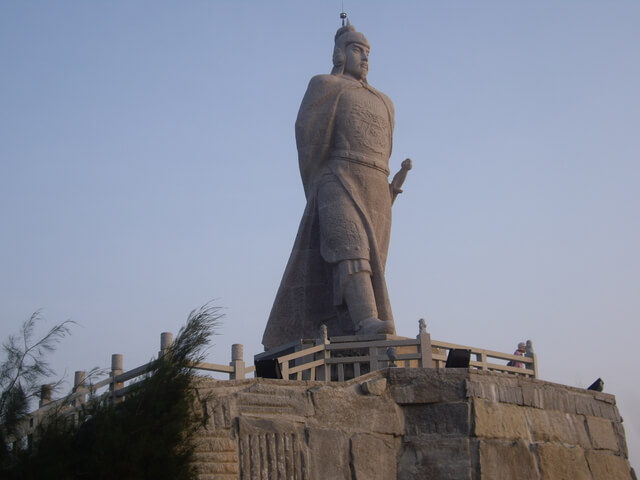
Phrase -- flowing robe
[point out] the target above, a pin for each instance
(344, 137)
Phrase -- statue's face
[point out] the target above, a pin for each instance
(357, 61)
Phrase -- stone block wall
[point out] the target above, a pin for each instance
(499, 426)
(409, 424)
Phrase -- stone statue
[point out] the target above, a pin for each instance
(335, 275)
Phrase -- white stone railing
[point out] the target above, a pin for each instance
(116, 381)
(343, 358)
(117, 384)
(485, 359)
(323, 359)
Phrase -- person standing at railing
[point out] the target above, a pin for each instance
(521, 351)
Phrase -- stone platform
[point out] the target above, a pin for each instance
(411, 423)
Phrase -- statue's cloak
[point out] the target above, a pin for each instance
(305, 298)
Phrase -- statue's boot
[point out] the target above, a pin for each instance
(371, 326)
(361, 303)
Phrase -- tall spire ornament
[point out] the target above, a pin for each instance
(343, 16)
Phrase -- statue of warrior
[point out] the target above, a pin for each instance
(335, 275)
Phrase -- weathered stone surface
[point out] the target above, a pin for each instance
(269, 398)
(554, 426)
(427, 385)
(557, 399)
(602, 434)
(336, 407)
(272, 448)
(454, 434)
(215, 452)
(499, 420)
(605, 466)
(506, 460)
(375, 386)
(499, 379)
(605, 397)
(364, 449)
(442, 458)
(532, 396)
(330, 453)
(504, 390)
(547, 396)
(209, 443)
(217, 409)
(439, 418)
(558, 462)
(216, 457)
(589, 405)
(550, 396)
(217, 468)
(508, 394)
(618, 428)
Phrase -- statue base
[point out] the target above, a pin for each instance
(409, 423)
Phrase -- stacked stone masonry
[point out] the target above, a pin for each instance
(409, 424)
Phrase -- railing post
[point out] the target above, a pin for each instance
(116, 369)
(424, 338)
(392, 355)
(284, 370)
(45, 394)
(374, 364)
(237, 362)
(79, 387)
(325, 369)
(482, 358)
(166, 340)
(531, 354)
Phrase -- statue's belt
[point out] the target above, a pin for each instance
(360, 159)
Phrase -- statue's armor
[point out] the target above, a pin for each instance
(358, 166)
(362, 131)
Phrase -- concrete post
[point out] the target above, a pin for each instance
(79, 386)
(166, 340)
(373, 359)
(323, 372)
(237, 362)
(531, 354)
(45, 394)
(392, 354)
(482, 358)
(79, 379)
(426, 354)
(116, 369)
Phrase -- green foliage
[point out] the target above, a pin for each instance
(24, 368)
(146, 436)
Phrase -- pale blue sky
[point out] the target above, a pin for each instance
(148, 165)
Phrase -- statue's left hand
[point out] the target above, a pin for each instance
(399, 178)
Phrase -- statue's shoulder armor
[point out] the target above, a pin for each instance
(385, 99)
(325, 81)
(321, 92)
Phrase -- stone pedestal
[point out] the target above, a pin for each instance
(409, 424)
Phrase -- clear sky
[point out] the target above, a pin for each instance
(148, 166)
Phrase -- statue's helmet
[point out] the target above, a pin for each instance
(345, 36)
